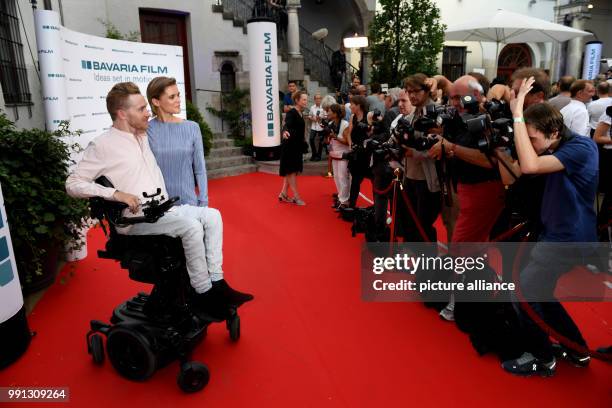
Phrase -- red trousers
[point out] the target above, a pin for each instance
(479, 207)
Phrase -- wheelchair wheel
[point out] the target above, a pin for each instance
(233, 326)
(95, 347)
(193, 376)
(130, 353)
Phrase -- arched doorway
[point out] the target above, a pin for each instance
(511, 58)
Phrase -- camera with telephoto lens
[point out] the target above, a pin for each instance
(406, 136)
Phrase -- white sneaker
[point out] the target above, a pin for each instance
(448, 313)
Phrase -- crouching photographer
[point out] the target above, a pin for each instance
(545, 146)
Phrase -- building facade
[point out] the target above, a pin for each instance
(558, 59)
(211, 32)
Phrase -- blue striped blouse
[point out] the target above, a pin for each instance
(179, 153)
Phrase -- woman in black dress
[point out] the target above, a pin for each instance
(292, 148)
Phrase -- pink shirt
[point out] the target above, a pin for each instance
(125, 159)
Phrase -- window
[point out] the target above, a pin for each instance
(13, 72)
(453, 62)
(228, 77)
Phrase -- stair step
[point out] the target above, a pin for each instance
(214, 163)
(225, 152)
(231, 171)
(219, 143)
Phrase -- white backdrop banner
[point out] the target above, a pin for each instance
(11, 299)
(77, 70)
(263, 75)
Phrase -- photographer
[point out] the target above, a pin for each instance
(335, 129)
(420, 176)
(480, 192)
(544, 145)
(316, 115)
(382, 170)
(359, 160)
(479, 188)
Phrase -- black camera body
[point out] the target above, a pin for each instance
(406, 137)
(328, 127)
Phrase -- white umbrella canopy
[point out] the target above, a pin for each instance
(504, 26)
(507, 27)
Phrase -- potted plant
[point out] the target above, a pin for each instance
(43, 219)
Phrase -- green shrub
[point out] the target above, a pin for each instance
(34, 166)
(194, 114)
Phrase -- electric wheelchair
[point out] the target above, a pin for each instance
(149, 331)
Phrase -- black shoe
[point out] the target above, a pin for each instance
(527, 365)
(212, 305)
(577, 359)
(232, 296)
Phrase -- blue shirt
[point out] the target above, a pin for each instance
(179, 152)
(287, 100)
(567, 205)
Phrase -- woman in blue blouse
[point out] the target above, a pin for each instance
(176, 144)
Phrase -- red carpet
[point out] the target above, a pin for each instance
(307, 339)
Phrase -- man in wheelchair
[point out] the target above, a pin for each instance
(122, 154)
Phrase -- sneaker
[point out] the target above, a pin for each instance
(447, 314)
(577, 359)
(527, 365)
(232, 296)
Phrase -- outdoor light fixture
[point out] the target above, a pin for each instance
(356, 41)
(590, 6)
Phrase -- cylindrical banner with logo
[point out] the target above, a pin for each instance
(14, 330)
(263, 75)
(592, 57)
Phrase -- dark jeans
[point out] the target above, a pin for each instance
(316, 143)
(538, 281)
(427, 207)
(382, 176)
(359, 171)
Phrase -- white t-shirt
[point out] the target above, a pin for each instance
(596, 109)
(608, 121)
(314, 124)
(576, 117)
(337, 148)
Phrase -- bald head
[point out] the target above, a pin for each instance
(465, 85)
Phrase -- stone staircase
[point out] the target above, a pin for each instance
(225, 159)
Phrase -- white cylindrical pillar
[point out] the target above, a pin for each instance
(293, 27)
(263, 76)
(14, 330)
